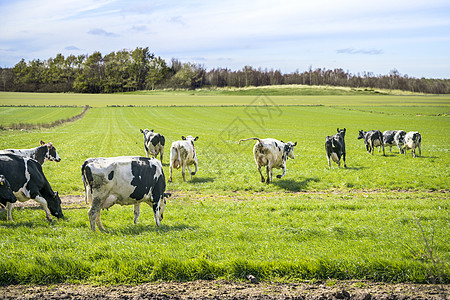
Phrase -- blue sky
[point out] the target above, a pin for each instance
(359, 36)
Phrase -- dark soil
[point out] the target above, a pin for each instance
(231, 290)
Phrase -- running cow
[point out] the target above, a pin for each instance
(335, 147)
(27, 182)
(125, 180)
(182, 154)
(153, 143)
(6, 194)
(372, 139)
(412, 140)
(46, 151)
(272, 154)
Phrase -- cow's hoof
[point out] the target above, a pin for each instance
(170, 180)
(192, 173)
(278, 176)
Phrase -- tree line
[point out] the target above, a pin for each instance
(140, 69)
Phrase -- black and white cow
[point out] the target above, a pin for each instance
(6, 194)
(399, 139)
(27, 182)
(271, 153)
(335, 147)
(153, 143)
(182, 154)
(372, 139)
(412, 140)
(46, 151)
(125, 180)
(393, 138)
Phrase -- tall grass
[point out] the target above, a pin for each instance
(231, 235)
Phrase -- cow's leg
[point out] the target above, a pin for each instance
(284, 170)
(137, 212)
(383, 150)
(170, 171)
(196, 168)
(189, 171)
(94, 214)
(420, 150)
(343, 158)
(161, 156)
(44, 206)
(8, 211)
(183, 171)
(269, 173)
(262, 177)
(413, 152)
(329, 161)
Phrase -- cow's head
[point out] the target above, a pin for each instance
(54, 205)
(6, 194)
(51, 154)
(159, 215)
(362, 134)
(289, 149)
(189, 138)
(341, 132)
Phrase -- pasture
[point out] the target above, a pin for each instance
(382, 218)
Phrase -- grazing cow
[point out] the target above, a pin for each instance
(372, 139)
(399, 139)
(125, 180)
(273, 154)
(27, 182)
(182, 154)
(335, 147)
(153, 143)
(42, 153)
(388, 139)
(412, 140)
(6, 194)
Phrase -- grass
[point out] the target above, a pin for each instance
(315, 223)
(12, 116)
(205, 236)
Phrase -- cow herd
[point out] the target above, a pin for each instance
(131, 180)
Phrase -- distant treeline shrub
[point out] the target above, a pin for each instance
(139, 69)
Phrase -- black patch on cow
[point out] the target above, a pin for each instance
(40, 154)
(162, 140)
(13, 167)
(143, 178)
(111, 175)
(155, 139)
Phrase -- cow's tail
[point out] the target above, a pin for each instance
(252, 138)
(86, 184)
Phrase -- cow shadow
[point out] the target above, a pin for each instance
(202, 179)
(294, 185)
(142, 228)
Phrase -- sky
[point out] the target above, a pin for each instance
(410, 36)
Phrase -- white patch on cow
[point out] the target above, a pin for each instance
(334, 157)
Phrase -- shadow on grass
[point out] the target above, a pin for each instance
(293, 185)
(202, 179)
(141, 228)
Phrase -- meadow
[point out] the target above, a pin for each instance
(383, 218)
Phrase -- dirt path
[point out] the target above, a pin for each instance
(220, 289)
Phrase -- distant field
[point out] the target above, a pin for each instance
(372, 220)
(199, 98)
(35, 115)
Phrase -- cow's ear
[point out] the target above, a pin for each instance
(142, 131)
(196, 138)
(151, 130)
(295, 144)
(345, 130)
(338, 129)
(42, 142)
(183, 138)
(55, 195)
(282, 142)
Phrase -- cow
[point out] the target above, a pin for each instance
(372, 139)
(46, 151)
(182, 154)
(27, 181)
(412, 140)
(399, 139)
(153, 143)
(393, 138)
(6, 194)
(335, 147)
(124, 180)
(271, 153)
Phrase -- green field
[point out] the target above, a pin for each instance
(372, 220)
